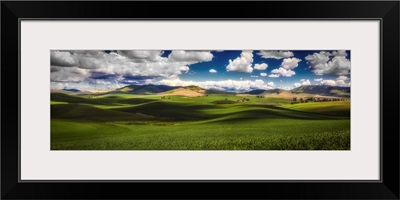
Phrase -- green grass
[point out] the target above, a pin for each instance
(147, 122)
(331, 107)
(246, 135)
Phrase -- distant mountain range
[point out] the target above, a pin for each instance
(191, 90)
(71, 90)
(258, 91)
(302, 91)
(321, 90)
(145, 89)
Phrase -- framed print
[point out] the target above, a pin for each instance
(102, 97)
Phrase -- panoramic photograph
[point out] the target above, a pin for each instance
(200, 99)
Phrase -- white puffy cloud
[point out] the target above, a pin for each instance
(290, 63)
(226, 85)
(242, 63)
(142, 55)
(286, 68)
(329, 82)
(83, 86)
(339, 53)
(60, 58)
(253, 76)
(334, 82)
(263, 74)
(302, 82)
(68, 74)
(190, 56)
(340, 81)
(212, 71)
(86, 62)
(318, 58)
(132, 63)
(275, 54)
(306, 82)
(121, 66)
(261, 66)
(344, 78)
(329, 63)
(274, 75)
(283, 72)
(318, 79)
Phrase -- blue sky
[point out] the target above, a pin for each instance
(231, 70)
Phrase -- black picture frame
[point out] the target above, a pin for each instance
(386, 11)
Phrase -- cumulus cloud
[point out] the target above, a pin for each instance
(263, 74)
(68, 74)
(78, 65)
(329, 82)
(318, 79)
(297, 84)
(306, 82)
(190, 56)
(212, 71)
(100, 85)
(340, 81)
(275, 54)
(226, 85)
(339, 53)
(87, 62)
(274, 75)
(253, 76)
(290, 63)
(286, 68)
(302, 82)
(329, 63)
(343, 78)
(261, 66)
(65, 59)
(242, 63)
(318, 58)
(142, 55)
(283, 72)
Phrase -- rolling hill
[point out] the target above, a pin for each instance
(189, 91)
(90, 113)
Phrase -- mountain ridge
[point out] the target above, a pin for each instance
(193, 90)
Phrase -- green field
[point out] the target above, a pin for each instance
(211, 122)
